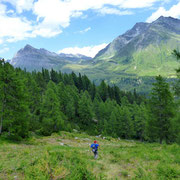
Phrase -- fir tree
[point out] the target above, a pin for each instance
(85, 110)
(103, 91)
(177, 85)
(14, 108)
(140, 121)
(2, 94)
(162, 108)
(52, 117)
(125, 129)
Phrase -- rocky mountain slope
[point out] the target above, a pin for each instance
(145, 50)
(34, 59)
(128, 61)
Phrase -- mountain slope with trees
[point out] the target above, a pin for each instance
(49, 101)
(132, 60)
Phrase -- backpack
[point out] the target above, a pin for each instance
(94, 149)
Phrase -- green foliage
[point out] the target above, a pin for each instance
(84, 110)
(46, 158)
(14, 102)
(167, 172)
(162, 108)
(52, 117)
(49, 101)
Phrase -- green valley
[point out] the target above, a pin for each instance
(68, 156)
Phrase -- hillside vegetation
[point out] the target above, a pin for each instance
(40, 110)
(130, 61)
(49, 101)
(68, 156)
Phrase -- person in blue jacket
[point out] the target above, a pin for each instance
(94, 147)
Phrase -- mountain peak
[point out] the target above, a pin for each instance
(28, 47)
(163, 19)
(141, 36)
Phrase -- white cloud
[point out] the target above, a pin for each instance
(10, 11)
(54, 12)
(85, 30)
(13, 28)
(90, 51)
(46, 31)
(21, 5)
(1, 40)
(138, 3)
(107, 10)
(3, 50)
(2, 9)
(174, 11)
(77, 14)
(54, 15)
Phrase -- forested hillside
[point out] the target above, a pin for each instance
(49, 101)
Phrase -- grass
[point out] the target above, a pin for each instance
(68, 156)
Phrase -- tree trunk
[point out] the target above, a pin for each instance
(161, 139)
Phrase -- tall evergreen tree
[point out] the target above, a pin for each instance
(176, 122)
(14, 107)
(125, 129)
(103, 91)
(140, 121)
(162, 107)
(46, 75)
(177, 85)
(2, 94)
(34, 100)
(54, 76)
(52, 117)
(85, 110)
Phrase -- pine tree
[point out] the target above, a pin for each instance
(72, 103)
(75, 79)
(85, 110)
(177, 85)
(140, 121)
(14, 107)
(80, 83)
(34, 100)
(54, 76)
(92, 91)
(2, 98)
(162, 107)
(176, 121)
(112, 125)
(103, 91)
(124, 119)
(86, 83)
(52, 117)
(117, 94)
(45, 74)
(40, 82)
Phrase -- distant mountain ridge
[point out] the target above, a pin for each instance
(34, 59)
(143, 51)
(143, 34)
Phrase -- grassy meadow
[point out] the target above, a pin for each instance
(68, 156)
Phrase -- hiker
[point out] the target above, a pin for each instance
(94, 147)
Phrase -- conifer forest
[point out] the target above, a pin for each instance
(49, 101)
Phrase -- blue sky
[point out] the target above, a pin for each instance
(74, 26)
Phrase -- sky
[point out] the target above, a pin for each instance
(74, 26)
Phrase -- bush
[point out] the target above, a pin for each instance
(167, 172)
